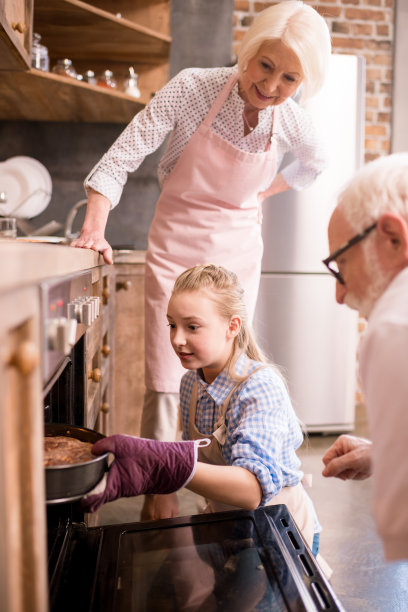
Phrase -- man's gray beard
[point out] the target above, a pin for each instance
(378, 282)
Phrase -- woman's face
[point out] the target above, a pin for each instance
(272, 75)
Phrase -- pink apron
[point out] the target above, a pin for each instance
(294, 497)
(208, 212)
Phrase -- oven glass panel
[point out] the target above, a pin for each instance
(206, 567)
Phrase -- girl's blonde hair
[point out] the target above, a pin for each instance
(223, 288)
(299, 27)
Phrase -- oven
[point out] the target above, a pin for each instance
(235, 561)
(76, 313)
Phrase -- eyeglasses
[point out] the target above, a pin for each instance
(330, 262)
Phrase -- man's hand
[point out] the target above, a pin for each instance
(348, 458)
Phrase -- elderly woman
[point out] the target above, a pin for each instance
(230, 128)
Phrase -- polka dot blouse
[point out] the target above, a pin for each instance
(181, 106)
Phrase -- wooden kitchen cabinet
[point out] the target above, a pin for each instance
(98, 35)
(23, 555)
(128, 373)
(15, 34)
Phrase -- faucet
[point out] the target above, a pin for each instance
(69, 236)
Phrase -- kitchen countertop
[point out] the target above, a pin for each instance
(128, 256)
(24, 263)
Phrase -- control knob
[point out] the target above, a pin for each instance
(84, 309)
(61, 334)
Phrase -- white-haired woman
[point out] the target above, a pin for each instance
(230, 129)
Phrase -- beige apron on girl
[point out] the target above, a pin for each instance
(295, 498)
(208, 212)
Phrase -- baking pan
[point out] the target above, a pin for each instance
(68, 483)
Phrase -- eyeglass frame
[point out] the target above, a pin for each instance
(354, 240)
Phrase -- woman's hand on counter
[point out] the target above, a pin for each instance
(93, 230)
(96, 242)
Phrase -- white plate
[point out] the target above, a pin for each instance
(27, 185)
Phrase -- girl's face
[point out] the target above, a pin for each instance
(200, 337)
(272, 75)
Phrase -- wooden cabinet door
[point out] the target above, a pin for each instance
(23, 556)
(129, 384)
(16, 17)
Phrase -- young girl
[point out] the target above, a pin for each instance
(235, 412)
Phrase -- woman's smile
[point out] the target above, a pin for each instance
(262, 96)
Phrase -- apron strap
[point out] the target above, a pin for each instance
(225, 403)
(219, 101)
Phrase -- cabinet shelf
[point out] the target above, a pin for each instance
(75, 29)
(41, 96)
(94, 38)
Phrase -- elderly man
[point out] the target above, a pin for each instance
(368, 239)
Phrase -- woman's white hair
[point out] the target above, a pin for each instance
(378, 187)
(300, 28)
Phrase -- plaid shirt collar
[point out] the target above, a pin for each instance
(223, 384)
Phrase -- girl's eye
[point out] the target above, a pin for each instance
(193, 327)
(171, 325)
(266, 66)
(289, 78)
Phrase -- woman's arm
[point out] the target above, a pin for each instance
(93, 229)
(227, 484)
(277, 186)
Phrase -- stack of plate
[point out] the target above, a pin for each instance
(25, 187)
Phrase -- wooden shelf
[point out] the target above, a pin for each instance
(74, 29)
(94, 39)
(41, 96)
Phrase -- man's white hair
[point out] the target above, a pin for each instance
(378, 187)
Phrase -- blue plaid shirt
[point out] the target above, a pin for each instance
(263, 432)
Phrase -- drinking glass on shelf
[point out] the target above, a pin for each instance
(8, 227)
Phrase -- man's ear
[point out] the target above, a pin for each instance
(234, 326)
(392, 229)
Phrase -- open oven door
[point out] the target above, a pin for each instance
(227, 561)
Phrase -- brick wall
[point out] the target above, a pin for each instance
(361, 27)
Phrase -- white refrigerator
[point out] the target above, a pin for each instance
(297, 320)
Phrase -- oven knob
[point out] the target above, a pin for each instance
(74, 311)
(62, 334)
(97, 302)
(87, 315)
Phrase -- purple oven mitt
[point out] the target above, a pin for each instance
(141, 466)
